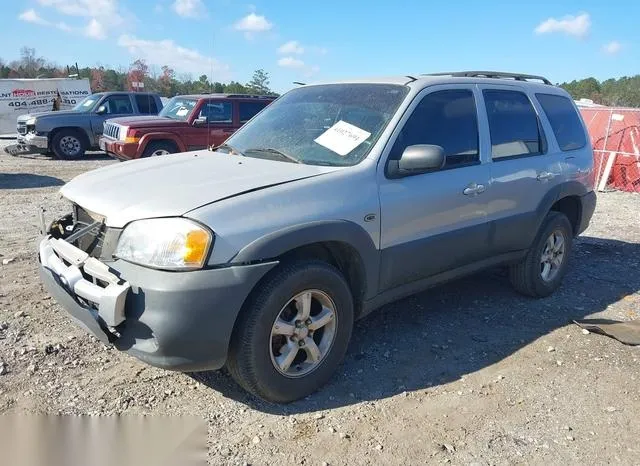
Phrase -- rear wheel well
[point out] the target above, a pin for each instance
(569, 206)
(343, 257)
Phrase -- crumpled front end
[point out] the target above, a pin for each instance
(173, 320)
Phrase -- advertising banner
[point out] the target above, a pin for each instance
(22, 96)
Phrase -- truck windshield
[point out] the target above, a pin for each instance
(87, 104)
(178, 108)
(333, 124)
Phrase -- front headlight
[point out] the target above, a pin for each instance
(165, 243)
(123, 133)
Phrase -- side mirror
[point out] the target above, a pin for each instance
(101, 110)
(417, 159)
(200, 121)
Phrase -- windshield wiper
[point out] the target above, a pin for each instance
(229, 147)
(278, 152)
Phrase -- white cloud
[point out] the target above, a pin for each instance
(30, 16)
(253, 23)
(612, 48)
(181, 59)
(577, 26)
(189, 8)
(291, 47)
(290, 62)
(86, 8)
(104, 16)
(95, 30)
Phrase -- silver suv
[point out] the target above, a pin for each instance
(332, 201)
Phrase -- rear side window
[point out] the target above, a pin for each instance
(513, 124)
(249, 109)
(564, 120)
(444, 118)
(146, 104)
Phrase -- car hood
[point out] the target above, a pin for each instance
(148, 121)
(173, 185)
(47, 114)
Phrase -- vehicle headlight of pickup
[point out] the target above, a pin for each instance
(165, 243)
(123, 133)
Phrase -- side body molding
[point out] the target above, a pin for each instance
(279, 242)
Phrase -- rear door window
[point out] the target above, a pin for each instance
(146, 104)
(564, 120)
(249, 109)
(513, 124)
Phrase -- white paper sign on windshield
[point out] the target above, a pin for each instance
(342, 138)
(182, 112)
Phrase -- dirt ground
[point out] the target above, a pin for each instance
(469, 373)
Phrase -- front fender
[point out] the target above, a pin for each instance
(149, 137)
(279, 242)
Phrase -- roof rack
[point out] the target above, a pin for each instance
(249, 96)
(493, 74)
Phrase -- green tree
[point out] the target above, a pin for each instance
(235, 88)
(259, 83)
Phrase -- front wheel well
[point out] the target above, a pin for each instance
(569, 206)
(81, 132)
(340, 255)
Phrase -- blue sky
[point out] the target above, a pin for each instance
(331, 39)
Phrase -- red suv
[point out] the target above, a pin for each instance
(187, 122)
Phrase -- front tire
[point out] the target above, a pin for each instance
(159, 148)
(545, 265)
(68, 144)
(293, 333)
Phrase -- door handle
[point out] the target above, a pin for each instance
(544, 176)
(473, 189)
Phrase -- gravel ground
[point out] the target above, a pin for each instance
(468, 373)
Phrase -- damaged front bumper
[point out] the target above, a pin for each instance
(103, 292)
(173, 320)
(34, 141)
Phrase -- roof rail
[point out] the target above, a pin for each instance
(493, 74)
(250, 96)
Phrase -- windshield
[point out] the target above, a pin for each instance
(178, 108)
(334, 124)
(87, 104)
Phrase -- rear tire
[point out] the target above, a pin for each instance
(158, 148)
(542, 270)
(68, 144)
(273, 326)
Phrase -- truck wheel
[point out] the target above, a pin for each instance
(68, 144)
(293, 333)
(542, 270)
(156, 148)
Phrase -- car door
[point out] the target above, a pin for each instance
(112, 106)
(435, 222)
(213, 124)
(525, 166)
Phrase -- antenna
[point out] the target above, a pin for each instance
(211, 92)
